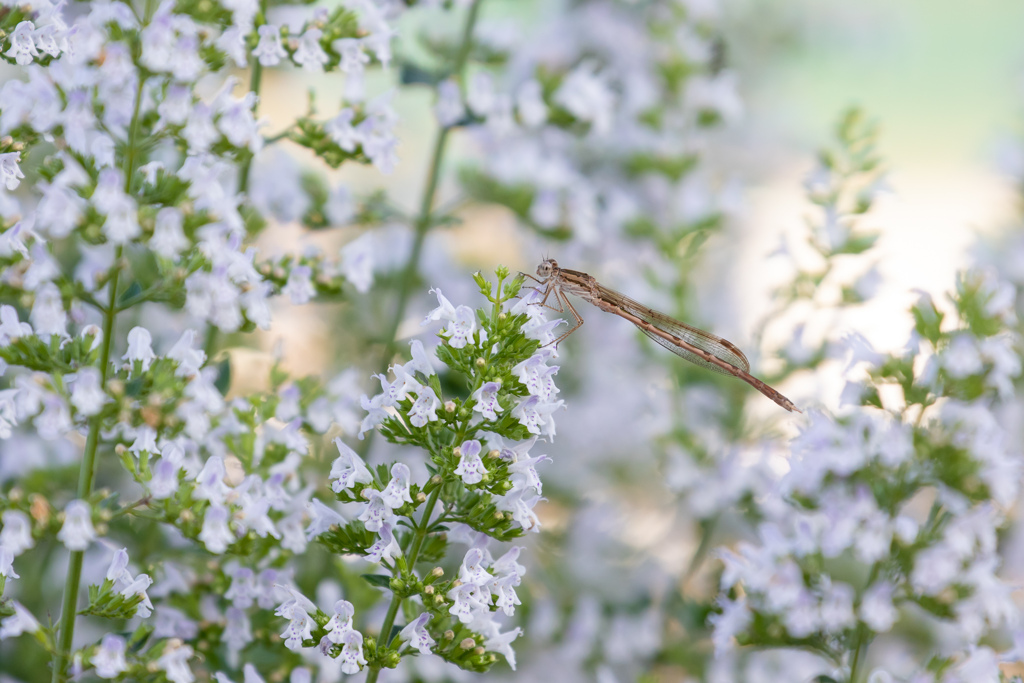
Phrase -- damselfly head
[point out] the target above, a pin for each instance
(547, 267)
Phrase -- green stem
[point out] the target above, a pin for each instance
(255, 80)
(414, 550)
(424, 218)
(87, 470)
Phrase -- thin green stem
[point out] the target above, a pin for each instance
(87, 470)
(414, 550)
(255, 81)
(424, 219)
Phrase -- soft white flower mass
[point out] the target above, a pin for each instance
(223, 455)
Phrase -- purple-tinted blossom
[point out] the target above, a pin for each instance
(7, 563)
(415, 634)
(348, 469)
(536, 415)
(109, 658)
(386, 548)
(232, 43)
(10, 172)
(353, 64)
(396, 493)
(342, 132)
(467, 598)
(321, 519)
(357, 262)
(502, 643)
(471, 467)
(340, 622)
(299, 287)
(309, 55)
(199, 132)
(424, 409)
(10, 327)
(422, 362)
(352, 659)
(377, 512)
(486, 398)
(472, 569)
(77, 531)
(269, 51)
(449, 108)
(215, 534)
(23, 47)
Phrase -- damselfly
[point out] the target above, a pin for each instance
(686, 341)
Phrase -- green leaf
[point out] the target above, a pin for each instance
(223, 381)
(378, 580)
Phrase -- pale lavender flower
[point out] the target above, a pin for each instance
(396, 493)
(530, 104)
(586, 95)
(353, 64)
(386, 547)
(348, 469)
(352, 659)
(357, 262)
(11, 328)
(536, 415)
(215, 534)
(415, 634)
(486, 398)
(109, 658)
(309, 55)
(10, 172)
(340, 622)
(189, 359)
(269, 51)
(77, 531)
(342, 132)
(87, 395)
(7, 563)
(23, 47)
(232, 43)
(422, 362)
(424, 409)
(377, 513)
(321, 519)
(480, 94)
(299, 287)
(449, 108)
(471, 467)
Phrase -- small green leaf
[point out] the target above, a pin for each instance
(378, 580)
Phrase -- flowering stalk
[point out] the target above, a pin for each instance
(424, 219)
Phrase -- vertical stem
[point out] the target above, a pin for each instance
(87, 470)
(424, 218)
(414, 550)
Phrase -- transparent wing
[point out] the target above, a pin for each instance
(719, 348)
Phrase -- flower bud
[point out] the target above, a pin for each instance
(437, 572)
(480, 362)
(467, 644)
(494, 454)
(449, 406)
(448, 635)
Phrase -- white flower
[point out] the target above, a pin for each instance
(352, 659)
(174, 663)
(357, 262)
(586, 96)
(876, 608)
(416, 636)
(377, 513)
(342, 132)
(341, 622)
(189, 359)
(449, 109)
(48, 315)
(16, 534)
(87, 394)
(23, 47)
(424, 409)
(77, 532)
(536, 415)
(232, 43)
(386, 548)
(108, 659)
(530, 104)
(480, 94)
(348, 469)
(215, 534)
(396, 493)
(269, 51)
(11, 328)
(10, 172)
(299, 287)
(309, 55)
(20, 622)
(140, 347)
(471, 467)
(422, 362)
